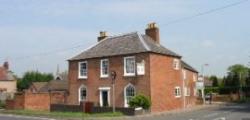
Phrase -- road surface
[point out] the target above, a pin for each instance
(225, 112)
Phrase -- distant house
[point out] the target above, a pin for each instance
(8, 83)
(208, 82)
(142, 66)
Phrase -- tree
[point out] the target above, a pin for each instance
(33, 76)
(237, 75)
(214, 79)
(248, 78)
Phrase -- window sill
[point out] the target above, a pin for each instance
(103, 76)
(82, 77)
(129, 75)
(177, 96)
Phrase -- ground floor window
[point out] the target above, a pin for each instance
(129, 93)
(82, 93)
(177, 91)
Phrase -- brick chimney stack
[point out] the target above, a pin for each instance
(103, 35)
(6, 65)
(153, 32)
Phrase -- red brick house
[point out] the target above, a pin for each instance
(142, 66)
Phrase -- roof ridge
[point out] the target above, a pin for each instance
(121, 35)
(143, 41)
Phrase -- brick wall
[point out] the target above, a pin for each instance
(16, 103)
(158, 83)
(190, 84)
(58, 97)
(37, 101)
(94, 81)
(164, 79)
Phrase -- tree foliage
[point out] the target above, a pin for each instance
(237, 75)
(214, 80)
(33, 76)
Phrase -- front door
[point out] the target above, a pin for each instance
(104, 98)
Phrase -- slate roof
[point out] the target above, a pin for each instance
(40, 86)
(187, 66)
(129, 43)
(53, 85)
(58, 85)
(6, 75)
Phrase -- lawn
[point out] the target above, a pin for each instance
(60, 114)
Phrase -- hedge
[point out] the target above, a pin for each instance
(226, 90)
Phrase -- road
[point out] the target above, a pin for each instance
(225, 112)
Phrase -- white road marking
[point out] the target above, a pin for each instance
(220, 118)
(211, 115)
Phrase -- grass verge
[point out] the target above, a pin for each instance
(60, 114)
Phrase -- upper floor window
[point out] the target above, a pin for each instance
(104, 68)
(176, 64)
(141, 68)
(184, 74)
(129, 66)
(187, 91)
(194, 77)
(177, 92)
(83, 69)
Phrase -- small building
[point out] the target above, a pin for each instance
(8, 83)
(57, 90)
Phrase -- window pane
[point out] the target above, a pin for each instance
(130, 65)
(83, 69)
(130, 93)
(83, 94)
(104, 67)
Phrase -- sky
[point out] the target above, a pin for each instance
(43, 34)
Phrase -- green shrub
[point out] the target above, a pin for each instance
(140, 101)
(2, 104)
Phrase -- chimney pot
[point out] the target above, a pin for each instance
(103, 34)
(6, 65)
(153, 32)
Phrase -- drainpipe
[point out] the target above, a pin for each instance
(183, 90)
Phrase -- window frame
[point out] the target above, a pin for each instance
(194, 77)
(178, 92)
(125, 94)
(79, 93)
(101, 68)
(140, 68)
(79, 70)
(184, 73)
(176, 64)
(187, 91)
(125, 68)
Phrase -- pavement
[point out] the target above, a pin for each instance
(207, 112)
